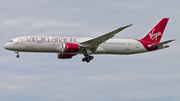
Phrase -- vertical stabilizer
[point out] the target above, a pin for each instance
(155, 34)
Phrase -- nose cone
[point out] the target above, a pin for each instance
(5, 46)
(8, 46)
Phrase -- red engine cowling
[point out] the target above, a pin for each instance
(65, 56)
(70, 48)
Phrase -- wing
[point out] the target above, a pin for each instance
(91, 45)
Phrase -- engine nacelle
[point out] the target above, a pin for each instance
(70, 48)
(65, 56)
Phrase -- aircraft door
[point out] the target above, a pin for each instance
(137, 45)
(20, 41)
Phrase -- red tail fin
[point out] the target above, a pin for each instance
(156, 33)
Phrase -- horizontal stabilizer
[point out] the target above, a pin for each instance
(161, 43)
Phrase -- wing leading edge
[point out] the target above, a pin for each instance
(91, 45)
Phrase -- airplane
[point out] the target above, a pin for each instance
(67, 47)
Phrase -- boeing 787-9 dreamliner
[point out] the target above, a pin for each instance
(67, 47)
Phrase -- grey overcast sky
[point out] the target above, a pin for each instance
(153, 76)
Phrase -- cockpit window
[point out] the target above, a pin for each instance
(10, 41)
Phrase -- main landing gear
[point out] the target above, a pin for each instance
(17, 54)
(87, 58)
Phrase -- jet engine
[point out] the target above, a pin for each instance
(70, 48)
(65, 56)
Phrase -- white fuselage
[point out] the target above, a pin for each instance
(54, 44)
(67, 47)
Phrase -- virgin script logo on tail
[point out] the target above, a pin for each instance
(154, 35)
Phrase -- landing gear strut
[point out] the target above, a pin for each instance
(87, 58)
(17, 54)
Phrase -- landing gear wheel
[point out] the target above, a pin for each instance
(91, 57)
(87, 58)
(17, 56)
(84, 59)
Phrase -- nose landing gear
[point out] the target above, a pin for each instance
(17, 54)
(87, 58)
